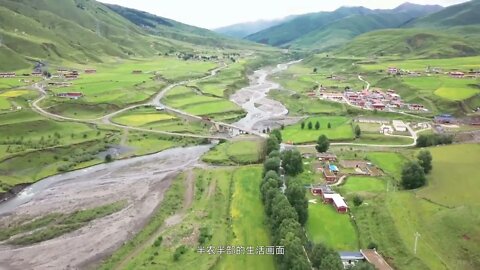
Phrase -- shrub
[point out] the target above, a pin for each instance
(179, 252)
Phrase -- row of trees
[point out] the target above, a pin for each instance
(414, 172)
(426, 140)
(287, 213)
(310, 125)
(282, 215)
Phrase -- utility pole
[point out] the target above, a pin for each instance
(417, 235)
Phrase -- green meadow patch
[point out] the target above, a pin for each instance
(326, 225)
(356, 184)
(340, 130)
(389, 162)
(248, 222)
(185, 99)
(235, 152)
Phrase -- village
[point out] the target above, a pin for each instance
(374, 99)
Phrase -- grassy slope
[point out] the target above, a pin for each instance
(416, 42)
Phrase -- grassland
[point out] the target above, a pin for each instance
(28, 232)
(185, 99)
(219, 195)
(325, 225)
(446, 207)
(341, 130)
(357, 184)
(389, 162)
(235, 152)
(149, 118)
(301, 105)
(465, 63)
(248, 222)
(115, 85)
(226, 81)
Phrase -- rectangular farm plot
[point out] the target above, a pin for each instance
(326, 225)
(143, 119)
(185, 99)
(445, 86)
(340, 129)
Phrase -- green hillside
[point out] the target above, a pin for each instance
(463, 14)
(287, 32)
(416, 42)
(324, 30)
(84, 31)
(171, 29)
(344, 30)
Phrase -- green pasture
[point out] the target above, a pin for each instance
(454, 180)
(208, 210)
(380, 139)
(326, 225)
(235, 152)
(226, 81)
(463, 63)
(341, 129)
(185, 99)
(361, 184)
(390, 162)
(301, 105)
(248, 222)
(445, 86)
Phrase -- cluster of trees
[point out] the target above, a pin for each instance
(414, 172)
(287, 212)
(310, 125)
(426, 140)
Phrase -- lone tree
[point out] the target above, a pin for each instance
(317, 125)
(357, 200)
(302, 125)
(358, 131)
(315, 70)
(322, 144)
(329, 125)
(292, 162)
(310, 126)
(413, 176)
(425, 160)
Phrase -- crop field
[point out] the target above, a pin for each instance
(341, 129)
(187, 100)
(235, 152)
(116, 84)
(466, 63)
(445, 87)
(7, 83)
(325, 225)
(226, 81)
(248, 221)
(7, 97)
(144, 118)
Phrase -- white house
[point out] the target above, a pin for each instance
(399, 126)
